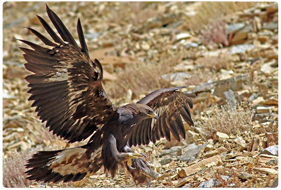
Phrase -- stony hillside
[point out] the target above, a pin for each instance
(225, 52)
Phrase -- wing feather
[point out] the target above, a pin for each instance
(66, 85)
(171, 105)
(147, 131)
(173, 128)
(39, 49)
(62, 30)
(165, 128)
(179, 124)
(81, 37)
(45, 40)
(50, 31)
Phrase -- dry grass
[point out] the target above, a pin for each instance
(208, 21)
(139, 78)
(215, 63)
(121, 13)
(225, 121)
(13, 168)
(208, 12)
(145, 76)
(215, 32)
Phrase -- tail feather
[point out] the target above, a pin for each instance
(41, 158)
(62, 165)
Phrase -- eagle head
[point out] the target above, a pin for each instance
(146, 111)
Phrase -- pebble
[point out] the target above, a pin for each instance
(182, 36)
(221, 136)
(244, 176)
(165, 161)
(267, 69)
(212, 182)
(234, 27)
(264, 109)
(271, 150)
(191, 152)
(241, 142)
(241, 48)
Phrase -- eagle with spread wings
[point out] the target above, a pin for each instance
(66, 89)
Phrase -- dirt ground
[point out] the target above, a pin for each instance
(224, 52)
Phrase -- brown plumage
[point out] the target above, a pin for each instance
(66, 87)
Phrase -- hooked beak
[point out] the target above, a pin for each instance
(154, 115)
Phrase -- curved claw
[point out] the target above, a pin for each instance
(131, 167)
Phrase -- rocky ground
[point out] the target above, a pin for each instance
(225, 52)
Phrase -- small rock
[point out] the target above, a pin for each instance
(212, 182)
(272, 162)
(254, 146)
(267, 69)
(208, 184)
(182, 173)
(271, 138)
(191, 152)
(241, 48)
(182, 182)
(184, 66)
(208, 162)
(271, 102)
(92, 35)
(225, 74)
(191, 45)
(271, 150)
(182, 36)
(258, 101)
(205, 87)
(234, 84)
(263, 39)
(191, 136)
(241, 35)
(165, 161)
(267, 170)
(170, 151)
(241, 142)
(270, 26)
(234, 27)
(263, 109)
(208, 147)
(244, 93)
(275, 183)
(6, 95)
(179, 76)
(230, 99)
(221, 136)
(273, 8)
(253, 97)
(145, 46)
(215, 152)
(244, 176)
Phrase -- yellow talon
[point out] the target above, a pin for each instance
(131, 156)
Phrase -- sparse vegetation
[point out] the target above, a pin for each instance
(13, 170)
(222, 119)
(160, 38)
(215, 32)
(144, 76)
(208, 12)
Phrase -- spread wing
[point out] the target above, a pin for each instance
(171, 106)
(66, 85)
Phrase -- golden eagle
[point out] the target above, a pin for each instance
(66, 87)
